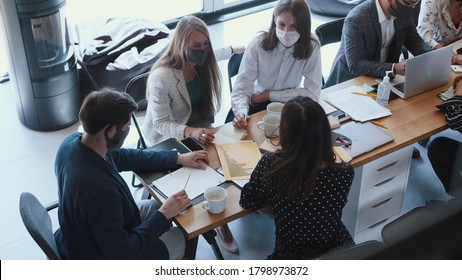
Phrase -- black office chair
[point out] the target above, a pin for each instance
(137, 87)
(359, 251)
(330, 32)
(233, 68)
(406, 225)
(38, 223)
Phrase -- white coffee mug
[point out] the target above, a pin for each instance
(215, 199)
(274, 108)
(270, 125)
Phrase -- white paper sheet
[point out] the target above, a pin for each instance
(199, 181)
(360, 108)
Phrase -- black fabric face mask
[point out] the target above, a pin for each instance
(402, 12)
(118, 140)
(198, 57)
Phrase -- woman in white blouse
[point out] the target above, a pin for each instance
(276, 62)
(440, 23)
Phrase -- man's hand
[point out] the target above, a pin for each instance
(193, 159)
(400, 68)
(175, 204)
(240, 121)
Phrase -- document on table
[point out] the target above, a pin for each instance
(360, 108)
(227, 133)
(199, 181)
(238, 159)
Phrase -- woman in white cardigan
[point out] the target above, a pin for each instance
(184, 92)
(184, 86)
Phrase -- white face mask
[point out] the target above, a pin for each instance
(289, 38)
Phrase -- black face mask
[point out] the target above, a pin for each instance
(118, 140)
(402, 12)
(198, 57)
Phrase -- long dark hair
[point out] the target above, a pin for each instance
(301, 12)
(306, 148)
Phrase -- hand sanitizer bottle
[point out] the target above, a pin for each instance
(383, 91)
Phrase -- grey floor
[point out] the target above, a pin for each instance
(27, 157)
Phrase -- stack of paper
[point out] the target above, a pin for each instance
(360, 108)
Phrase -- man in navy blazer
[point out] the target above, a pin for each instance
(98, 216)
(372, 39)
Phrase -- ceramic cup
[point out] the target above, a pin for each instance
(215, 199)
(274, 108)
(270, 125)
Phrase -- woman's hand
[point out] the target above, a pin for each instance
(203, 135)
(193, 159)
(240, 121)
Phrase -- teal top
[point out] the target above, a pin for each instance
(195, 92)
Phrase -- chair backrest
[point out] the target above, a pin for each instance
(359, 251)
(427, 232)
(233, 68)
(141, 143)
(38, 223)
(136, 87)
(330, 32)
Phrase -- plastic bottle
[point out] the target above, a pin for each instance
(383, 91)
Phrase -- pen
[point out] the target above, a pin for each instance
(365, 94)
(379, 124)
(343, 142)
(187, 182)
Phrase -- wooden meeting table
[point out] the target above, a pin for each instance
(412, 120)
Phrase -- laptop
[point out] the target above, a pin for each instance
(424, 72)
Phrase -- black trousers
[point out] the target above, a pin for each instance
(442, 155)
(252, 110)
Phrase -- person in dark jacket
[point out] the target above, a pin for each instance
(373, 35)
(98, 217)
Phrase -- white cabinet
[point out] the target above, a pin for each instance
(376, 195)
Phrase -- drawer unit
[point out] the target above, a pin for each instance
(382, 169)
(376, 195)
(373, 232)
(370, 215)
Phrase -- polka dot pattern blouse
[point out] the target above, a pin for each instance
(308, 229)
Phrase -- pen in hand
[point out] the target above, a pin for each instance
(187, 180)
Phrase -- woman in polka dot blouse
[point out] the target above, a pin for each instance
(302, 184)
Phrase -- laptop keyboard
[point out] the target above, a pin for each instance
(400, 87)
